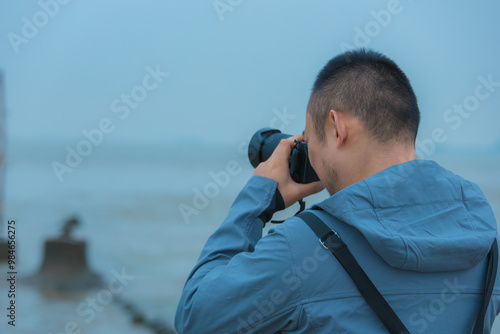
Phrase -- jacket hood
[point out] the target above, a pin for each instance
(418, 216)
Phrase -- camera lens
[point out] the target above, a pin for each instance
(263, 143)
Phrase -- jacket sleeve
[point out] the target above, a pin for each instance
(239, 282)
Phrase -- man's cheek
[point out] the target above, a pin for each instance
(312, 159)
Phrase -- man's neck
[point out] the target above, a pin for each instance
(371, 160)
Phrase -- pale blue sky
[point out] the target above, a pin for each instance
(226, 76)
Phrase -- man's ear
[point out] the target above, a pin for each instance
(339, 127)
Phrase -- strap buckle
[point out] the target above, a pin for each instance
(322, 240)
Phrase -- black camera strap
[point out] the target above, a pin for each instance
(302, 208)
(489, 283)
(330, 240)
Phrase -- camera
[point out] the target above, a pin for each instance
(265, 141)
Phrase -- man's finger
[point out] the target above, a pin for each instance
(286, 145)
(284, 148)
(299, 137)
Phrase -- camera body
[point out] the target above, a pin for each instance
(265, 141)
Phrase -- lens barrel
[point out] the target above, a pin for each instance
(263, 143)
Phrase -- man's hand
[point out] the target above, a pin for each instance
(276, 168)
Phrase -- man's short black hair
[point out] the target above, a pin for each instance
(371, 87)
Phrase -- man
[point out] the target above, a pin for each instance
(420, 232)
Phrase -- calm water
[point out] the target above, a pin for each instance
(128, 197)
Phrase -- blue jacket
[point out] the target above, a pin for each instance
(420, 232)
